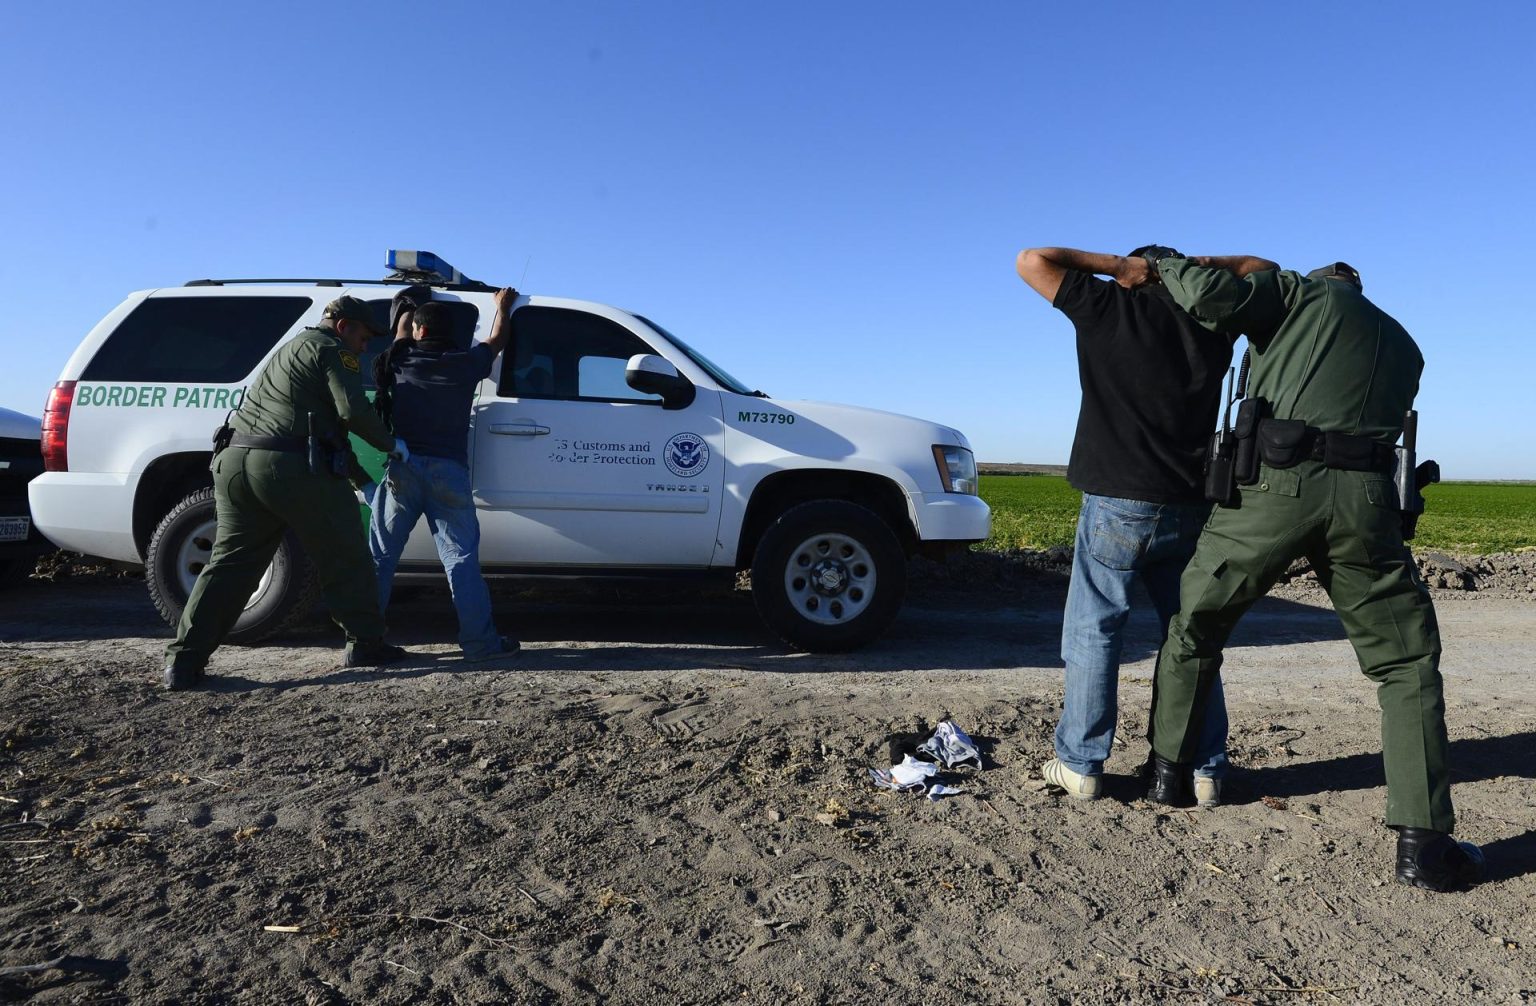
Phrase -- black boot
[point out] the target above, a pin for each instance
(376, 653)
(1170, 783)
(1435, 861)
(180, 677)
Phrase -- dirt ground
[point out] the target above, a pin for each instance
(656, 803)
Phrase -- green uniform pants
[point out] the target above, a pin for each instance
(259, 495)
(1347, 524)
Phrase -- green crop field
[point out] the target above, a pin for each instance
(1478, 517)
(1030, 511)
(1039, 511)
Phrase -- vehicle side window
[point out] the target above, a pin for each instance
(462, 315)
(194, 340)
(560, 353)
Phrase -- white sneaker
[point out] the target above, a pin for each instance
(1207, 791)
(1078, 787)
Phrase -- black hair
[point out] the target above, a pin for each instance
(1138, 252)
(434, 317)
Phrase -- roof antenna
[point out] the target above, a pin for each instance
(525, 272)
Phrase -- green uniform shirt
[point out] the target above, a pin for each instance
(315, 373)
(1322, 352)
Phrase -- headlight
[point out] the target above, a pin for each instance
(957, 469)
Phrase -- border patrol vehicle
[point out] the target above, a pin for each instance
(601, 445)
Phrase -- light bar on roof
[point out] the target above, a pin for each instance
(423, 263)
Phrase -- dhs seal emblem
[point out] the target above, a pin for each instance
(686, 455)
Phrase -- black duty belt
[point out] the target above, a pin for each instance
(1286, 442)
(292, 445)
(1350, 452)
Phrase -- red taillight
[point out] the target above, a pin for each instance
(56, 427)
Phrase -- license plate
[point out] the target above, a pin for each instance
(14, 528)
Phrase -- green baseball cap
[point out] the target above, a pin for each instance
(353, 310)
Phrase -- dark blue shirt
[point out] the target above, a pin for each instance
(433, 392)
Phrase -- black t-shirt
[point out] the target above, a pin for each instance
(1152, 380)
(433, 392)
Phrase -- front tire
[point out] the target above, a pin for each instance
(828, 576)
(182, 545)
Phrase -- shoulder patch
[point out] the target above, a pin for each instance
(349, 360)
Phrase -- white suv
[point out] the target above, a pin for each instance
(601, 445)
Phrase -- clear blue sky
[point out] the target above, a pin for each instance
(826, 198)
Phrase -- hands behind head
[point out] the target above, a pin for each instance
(1133, 272)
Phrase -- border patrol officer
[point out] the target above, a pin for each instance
(264, 482)
(1338, 375)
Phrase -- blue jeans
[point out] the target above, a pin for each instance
(1118, 542)
(438, 488)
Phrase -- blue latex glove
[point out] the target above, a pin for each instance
(401, 452)
(368, 492)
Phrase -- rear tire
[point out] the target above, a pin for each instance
(181, 547)
(828, 576)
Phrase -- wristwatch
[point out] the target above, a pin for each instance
(1155, 255)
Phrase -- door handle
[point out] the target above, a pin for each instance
(526, 429)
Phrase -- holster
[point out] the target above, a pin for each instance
(1427, 473)
(1246, 430)
(1219, 487)
(221, 438)
(325, 457)
(225, 433)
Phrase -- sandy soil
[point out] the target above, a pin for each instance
(656, 803)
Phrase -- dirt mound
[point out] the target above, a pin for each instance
(1504, 574)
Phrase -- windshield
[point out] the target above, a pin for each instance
(725, 380)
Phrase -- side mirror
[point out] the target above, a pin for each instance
(652, 375)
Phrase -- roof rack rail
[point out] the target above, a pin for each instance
(411, 268)
(471, 285)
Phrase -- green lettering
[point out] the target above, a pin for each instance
(221, 399)
(159, 399)
(114, 395)
(179, 398)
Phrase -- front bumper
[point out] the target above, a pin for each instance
(951, 517)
